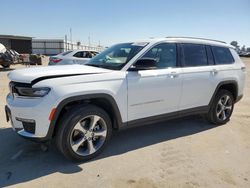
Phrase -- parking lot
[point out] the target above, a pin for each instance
(187, 152)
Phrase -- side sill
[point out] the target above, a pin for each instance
(165, 117)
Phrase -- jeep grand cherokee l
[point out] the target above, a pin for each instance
(126, 85)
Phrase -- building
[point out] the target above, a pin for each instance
(28, 45)
(21, 44)
(56, 46)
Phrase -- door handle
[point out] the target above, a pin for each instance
(214, 71)
(173, 75)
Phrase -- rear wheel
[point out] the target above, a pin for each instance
(221, 108)
(83, 132)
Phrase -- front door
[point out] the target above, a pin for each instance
(158, 91)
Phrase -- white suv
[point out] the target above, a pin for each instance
(126, 85)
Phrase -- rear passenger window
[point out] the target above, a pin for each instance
(194, 55)
(222, 55)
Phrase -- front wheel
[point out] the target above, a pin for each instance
(83, 132)
(221, 108)
(6, 66)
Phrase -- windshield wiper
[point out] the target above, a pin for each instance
(93, 65)
(110, 67)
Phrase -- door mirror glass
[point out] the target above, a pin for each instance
(144, 64)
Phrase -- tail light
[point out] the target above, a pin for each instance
(243, 69)
(55, 60)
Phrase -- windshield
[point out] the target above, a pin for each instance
(117, 56)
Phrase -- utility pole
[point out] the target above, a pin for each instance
(89, 40)
(66, 43)
(71, 39)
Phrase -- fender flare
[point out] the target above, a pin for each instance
(221, 84)
(68, 100)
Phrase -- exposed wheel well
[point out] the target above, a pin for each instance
(232, 87)
(103, 103)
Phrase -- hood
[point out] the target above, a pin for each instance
(34, 75)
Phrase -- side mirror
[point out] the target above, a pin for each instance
(143, 64)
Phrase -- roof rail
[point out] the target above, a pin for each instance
(198, 38)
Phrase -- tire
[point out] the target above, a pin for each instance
(6, 66)
(75, 134)
(221, 108)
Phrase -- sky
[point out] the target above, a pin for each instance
(113, 21)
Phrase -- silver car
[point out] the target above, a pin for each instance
(72, 57)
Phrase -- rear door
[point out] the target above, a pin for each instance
(199, 75)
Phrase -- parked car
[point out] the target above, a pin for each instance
(2, 48)
(244, 54)
(129, 84)
(15, 56)
(3, 57)
(8, 57)
(72, 57)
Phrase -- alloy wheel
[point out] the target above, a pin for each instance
(88, 135)
(224, 107)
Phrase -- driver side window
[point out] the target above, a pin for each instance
(164, 55)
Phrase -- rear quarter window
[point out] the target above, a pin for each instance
(222, 55)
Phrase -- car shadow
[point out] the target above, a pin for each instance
(22, 160)
(143, 136)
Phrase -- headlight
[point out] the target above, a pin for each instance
(32, 92)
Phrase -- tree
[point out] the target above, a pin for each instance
(248, 49)
(243, 48)
(234, 43)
